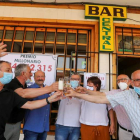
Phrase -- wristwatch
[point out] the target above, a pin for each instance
(47, 101)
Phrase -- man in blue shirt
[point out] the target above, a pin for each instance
(37, 121)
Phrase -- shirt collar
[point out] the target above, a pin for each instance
(37, 86)
(20, 83)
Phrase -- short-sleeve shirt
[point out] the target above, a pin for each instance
(69, 112)
(94, 114)
(8, 100)
(121, 114)
(130, 100)
(17, 114)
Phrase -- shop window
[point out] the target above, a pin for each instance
(28, 47)
(49, 48)
(1, 34)
(9, 34)
(60, 37)
(60, 49)
(70, 48)
(9, 44)
(19, 35)
(71, 38)
(38, 48)
(128, 40)
(82, 38)
(82, 49)
(60, 62)
(17, 47)
(50, 36)
(40, 36)
(29, 35)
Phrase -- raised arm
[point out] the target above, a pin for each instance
(40, 103)
(3, 49)
(34, 92)
(98, 98)
(84, 90)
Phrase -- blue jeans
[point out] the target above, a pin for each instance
(29, 135)
(66, 132)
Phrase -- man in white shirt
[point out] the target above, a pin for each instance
(68, 124)
(125, 130)
(129, 99)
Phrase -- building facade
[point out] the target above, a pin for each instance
(62, 29)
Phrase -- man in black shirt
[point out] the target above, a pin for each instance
(18, 85)
(10, 100)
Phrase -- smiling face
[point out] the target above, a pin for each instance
(39, 78)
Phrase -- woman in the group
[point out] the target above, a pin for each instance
(94, 117)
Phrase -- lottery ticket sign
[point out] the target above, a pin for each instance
(46, 63)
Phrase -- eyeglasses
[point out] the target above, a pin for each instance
(136, 80)
(74, 79)
(123, 80)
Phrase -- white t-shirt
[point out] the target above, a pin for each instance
(94, 114)
(69, 112)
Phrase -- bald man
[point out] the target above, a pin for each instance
(37, 121)
(125, 130)
(129, 99)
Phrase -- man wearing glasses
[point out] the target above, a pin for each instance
(125, 130)
(68, 124)
(129, 99)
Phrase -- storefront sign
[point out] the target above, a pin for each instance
(46, 63)
(101, 76)
(106, 14)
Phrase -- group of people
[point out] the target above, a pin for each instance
(81, 111)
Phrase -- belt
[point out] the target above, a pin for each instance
(125, 129)
(136, 138)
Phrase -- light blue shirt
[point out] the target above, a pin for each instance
(37, 120)
(131, 102)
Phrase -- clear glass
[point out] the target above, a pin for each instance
(66, 85)
(61, 84)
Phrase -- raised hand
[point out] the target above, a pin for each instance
(53, 87)
(55, 97)
(3, 49)
(71, 93)
(81, 90)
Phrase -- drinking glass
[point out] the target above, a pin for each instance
(61, 84)
(66, 86)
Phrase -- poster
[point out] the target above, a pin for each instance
(102, 77)
(46, 63)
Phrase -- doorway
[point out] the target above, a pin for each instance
(127, 65)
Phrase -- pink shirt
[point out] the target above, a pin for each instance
(121, 114)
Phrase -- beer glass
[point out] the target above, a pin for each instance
(66, 85)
